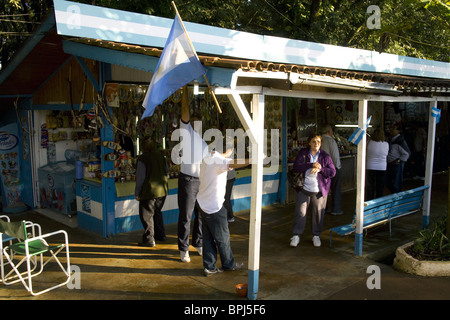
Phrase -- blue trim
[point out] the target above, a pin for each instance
(358, 244)
(88, 73)
(132, 223)
(126, 59)
(244, 203)
(253, 284)
(89, 223)
(425, 221)
(216, 76)
(151, 31)
(248, 179)
(127, 224)
(282, 188)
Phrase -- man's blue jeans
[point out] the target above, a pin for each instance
(187, 195)
(395, 176)
(216, 238)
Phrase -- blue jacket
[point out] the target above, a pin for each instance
(303, 163)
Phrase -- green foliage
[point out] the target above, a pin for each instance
(432, 243)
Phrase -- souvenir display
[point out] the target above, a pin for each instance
(10, 170)
(111, 145)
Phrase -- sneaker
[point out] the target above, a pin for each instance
(199, 250)
(316, 241)
(184, 255)
(208, 272)
(295, 240)
(237, 266)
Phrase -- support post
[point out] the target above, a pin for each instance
(255, 131)
(360, 177)
(282, 193)
(256, 199)
(429, 165)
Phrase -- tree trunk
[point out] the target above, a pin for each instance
(313, 12)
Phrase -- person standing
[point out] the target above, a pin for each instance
(193, 149)
(151, 191)
(398, 155)
(318, 169)
(231, 178)
(330, 146)
(210, 200)
(376, 158)
(420, 148)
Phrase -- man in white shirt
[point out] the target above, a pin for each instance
(192, 150)
(210, 199)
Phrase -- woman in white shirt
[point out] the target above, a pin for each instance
(377, 151)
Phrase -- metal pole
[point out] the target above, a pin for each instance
(256, 199)
(360, 178)
(429, 165)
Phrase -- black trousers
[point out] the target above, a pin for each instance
(152, 219)
(375, 182)
(227, 203)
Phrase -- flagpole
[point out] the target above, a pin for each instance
(193, 49)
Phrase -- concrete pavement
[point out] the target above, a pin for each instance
(117, 269)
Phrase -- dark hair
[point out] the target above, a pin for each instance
(148, 144)
(313, 135)
(378, 135)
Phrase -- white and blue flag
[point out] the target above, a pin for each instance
(356, 137)
(435, 112)
(177, 66)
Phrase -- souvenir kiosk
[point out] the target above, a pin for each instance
(121, 152)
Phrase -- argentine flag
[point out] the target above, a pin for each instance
(435, 112)
(177, 66)
(356, 137)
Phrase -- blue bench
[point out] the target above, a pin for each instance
(385, 209)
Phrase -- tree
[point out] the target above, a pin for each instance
(416, 28)
(18, 18)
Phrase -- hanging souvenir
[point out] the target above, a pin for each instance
(111, 145)
(44, 136)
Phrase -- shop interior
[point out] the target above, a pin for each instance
(69, 145)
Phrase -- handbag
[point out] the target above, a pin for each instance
(295, 179)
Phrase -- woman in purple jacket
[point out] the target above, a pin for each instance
(318, 169)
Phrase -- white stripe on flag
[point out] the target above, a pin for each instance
(359, 133)
(177, 66)
(356, 137)
(435, 112)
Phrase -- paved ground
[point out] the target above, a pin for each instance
(117, 269)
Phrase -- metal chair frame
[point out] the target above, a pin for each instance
(31, 248)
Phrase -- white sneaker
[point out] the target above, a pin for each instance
(295, 240)
(199, 250)
(316, 241)
(184, 255)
